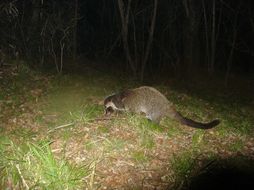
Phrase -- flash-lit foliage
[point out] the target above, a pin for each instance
(33, 165)
(59, 59)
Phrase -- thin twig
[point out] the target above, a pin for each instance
(61, 126)
(22, 178)
(92, 175)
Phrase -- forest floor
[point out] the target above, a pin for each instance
(53, 135)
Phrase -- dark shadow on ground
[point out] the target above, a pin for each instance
(233, 174)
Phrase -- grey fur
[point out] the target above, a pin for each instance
(152, 103)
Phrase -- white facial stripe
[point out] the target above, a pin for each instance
(113, 106)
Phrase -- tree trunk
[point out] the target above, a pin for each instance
(125, 22)
(75, 31)
(230, 57)
(191, 41)
(207, 56)
(150, 40)
(213, 40)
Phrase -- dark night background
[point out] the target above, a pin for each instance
(202, 50)
(189, 36)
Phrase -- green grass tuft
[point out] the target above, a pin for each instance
(114, 144)
(33, 165)
(139, 156)
(236, 146)
(182, 165)
(198, 138)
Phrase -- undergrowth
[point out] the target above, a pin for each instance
(32, 165)
(67, 143)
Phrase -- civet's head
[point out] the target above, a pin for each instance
(109, 105)
(113, 103)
